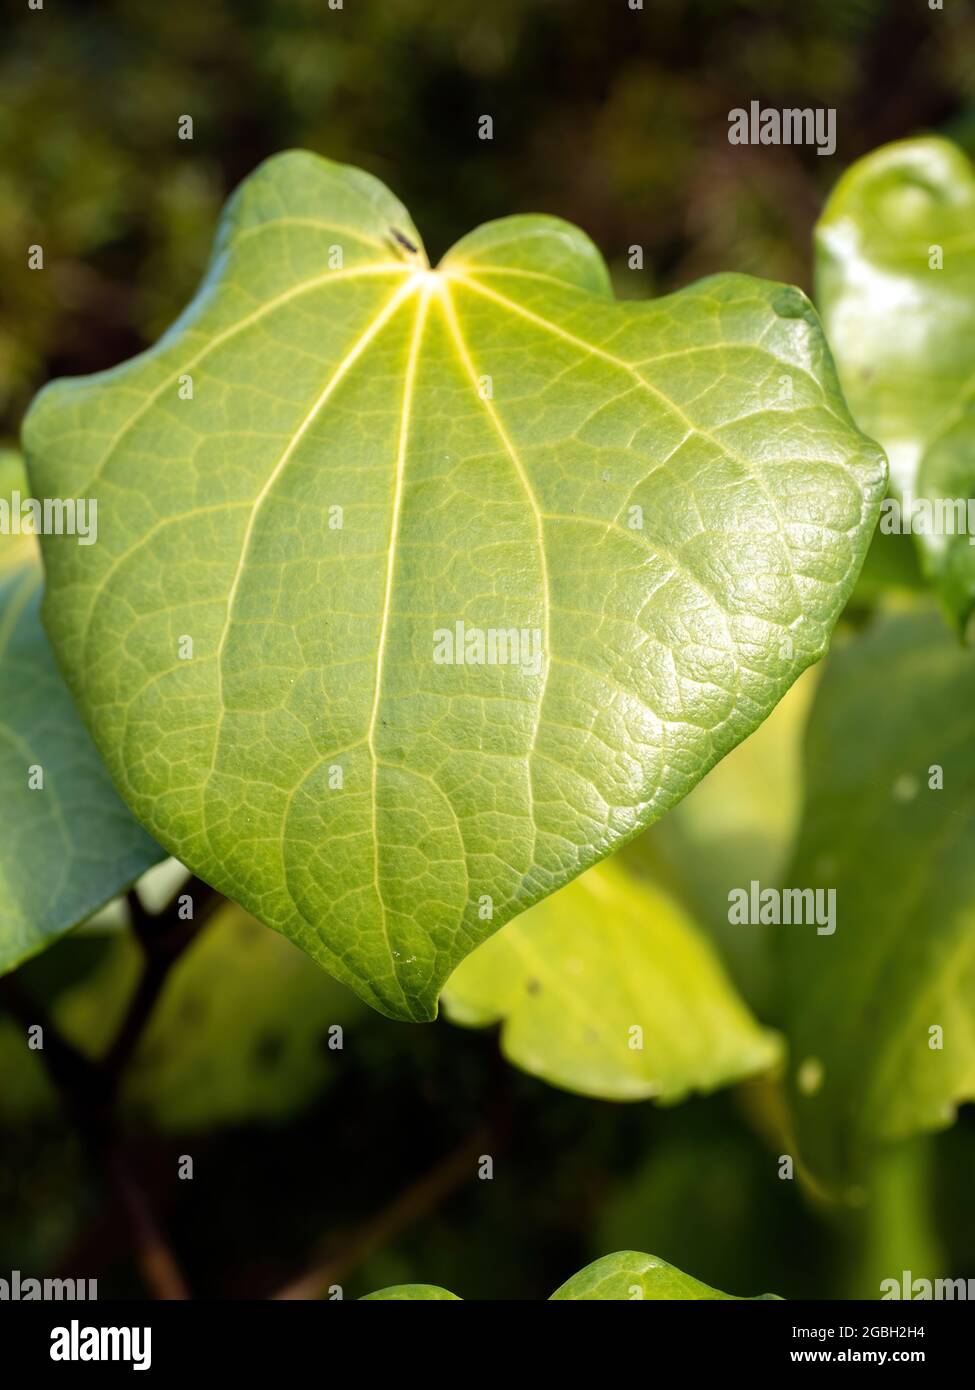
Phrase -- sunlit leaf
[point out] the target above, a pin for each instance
(666, 504)
(633, 1276)
(627, 1275)
(609, 988)
(896, 284)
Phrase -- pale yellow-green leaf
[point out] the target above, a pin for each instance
(608, 988)
(632, 1276)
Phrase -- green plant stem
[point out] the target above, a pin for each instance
(163, 939)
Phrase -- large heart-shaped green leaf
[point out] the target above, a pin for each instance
(879, 1014)
(609, 988)
(896, 283)
(67, 843)
(646, 517)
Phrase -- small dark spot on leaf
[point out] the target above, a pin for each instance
(269, 1050)
(533, 986)
(403, 240)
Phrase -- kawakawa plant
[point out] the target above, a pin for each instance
(418, 592)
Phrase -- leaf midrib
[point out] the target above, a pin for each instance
(409, 384)
(421, 282)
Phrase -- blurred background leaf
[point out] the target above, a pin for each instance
(737, 825)
(69, 844)
(246, 1030)
(896, 287)
(879, 1014)
(609, 988)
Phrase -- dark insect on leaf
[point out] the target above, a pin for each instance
(403, 240)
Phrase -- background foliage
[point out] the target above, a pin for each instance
(617, 121)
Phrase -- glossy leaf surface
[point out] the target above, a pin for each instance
(896, 284)
(417, 593)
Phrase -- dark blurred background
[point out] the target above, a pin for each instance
(613, 118)
(616, 119)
